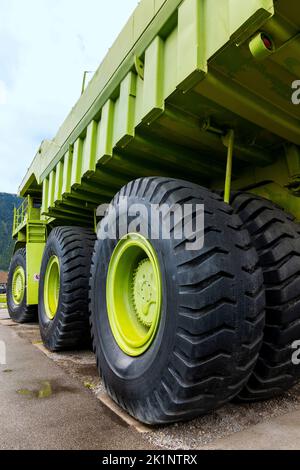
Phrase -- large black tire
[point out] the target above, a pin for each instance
(212, 315)
(277, 240)
(69, 329)
(19, 313)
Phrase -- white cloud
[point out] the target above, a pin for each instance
(45, 45)
(3, 93)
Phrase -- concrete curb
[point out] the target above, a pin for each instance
(133, 423)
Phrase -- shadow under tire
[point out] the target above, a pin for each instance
(63, 290)
(17, 306)
(211, 317)
(277, 240)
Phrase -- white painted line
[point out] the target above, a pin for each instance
(133, 423)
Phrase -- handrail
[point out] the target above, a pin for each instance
(21, 214)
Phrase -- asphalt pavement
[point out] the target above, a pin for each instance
(49, 401)
(42, 407)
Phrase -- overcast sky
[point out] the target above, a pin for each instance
(45, 45)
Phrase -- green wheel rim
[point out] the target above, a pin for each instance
(18, 285)
(134, 294)
(52, 287)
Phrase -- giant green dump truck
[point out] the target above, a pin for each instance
(196, 105)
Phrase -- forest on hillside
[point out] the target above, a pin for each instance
(7, 204)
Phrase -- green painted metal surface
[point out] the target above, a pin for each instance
(177, 65)
(34, 255)
(52, 287)
(30, 232)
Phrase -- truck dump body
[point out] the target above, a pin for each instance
(178, 70)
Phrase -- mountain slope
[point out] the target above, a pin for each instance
(7, 204)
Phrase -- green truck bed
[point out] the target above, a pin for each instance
(180, 75)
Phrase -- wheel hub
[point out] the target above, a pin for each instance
(134, 294)
(52, 287)
(18, 285)
(145, 293)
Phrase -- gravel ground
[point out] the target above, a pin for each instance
(224, 422)
(230, 419)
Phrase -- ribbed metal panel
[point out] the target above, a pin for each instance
(196, 65)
